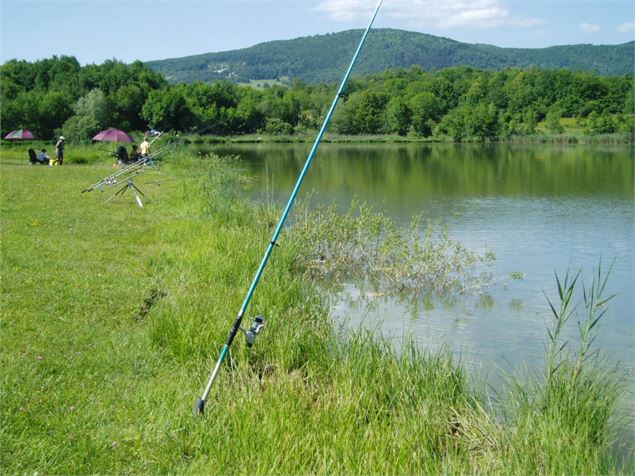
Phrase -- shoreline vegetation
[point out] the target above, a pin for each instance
(566, 139)
(112, 316)
(330, 138)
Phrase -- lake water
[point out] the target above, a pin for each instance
(541, 209)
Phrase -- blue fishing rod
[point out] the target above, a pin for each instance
(258, 323)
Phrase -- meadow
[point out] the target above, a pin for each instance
(112, 316)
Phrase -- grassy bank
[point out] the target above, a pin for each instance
(112, 316)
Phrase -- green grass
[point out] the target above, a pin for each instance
(569, 124)
(74, 154)
(112, 316)
(264, 83)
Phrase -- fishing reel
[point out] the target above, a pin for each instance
(256, 326)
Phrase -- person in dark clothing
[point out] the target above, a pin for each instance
(122, 156)
(134, 154)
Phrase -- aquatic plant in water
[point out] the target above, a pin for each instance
(364, 244)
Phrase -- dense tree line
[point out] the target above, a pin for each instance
(464, 103)
(58, 95)
(53, 94)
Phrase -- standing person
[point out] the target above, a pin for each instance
(59, 151)
(144, 147)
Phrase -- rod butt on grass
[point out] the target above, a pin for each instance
(199, 408)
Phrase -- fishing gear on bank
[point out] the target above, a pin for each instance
(258, 323)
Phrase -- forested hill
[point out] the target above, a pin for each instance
(323, 58)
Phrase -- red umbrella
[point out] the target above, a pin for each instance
(20, 134)
(113, 135)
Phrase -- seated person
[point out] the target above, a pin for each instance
(42, 158)
(134, 154)
(122, 156)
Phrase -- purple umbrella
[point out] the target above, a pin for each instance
(113, 135)
(20, 134)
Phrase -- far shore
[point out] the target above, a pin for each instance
(309, 138)
(388, 138)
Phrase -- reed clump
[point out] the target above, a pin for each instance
(363, 244)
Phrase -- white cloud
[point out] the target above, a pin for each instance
(588, 28)
(431, 13)
(344, 10)
(627, 27)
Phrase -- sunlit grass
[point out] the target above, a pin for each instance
(113, 314)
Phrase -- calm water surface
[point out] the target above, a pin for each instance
(541, 209)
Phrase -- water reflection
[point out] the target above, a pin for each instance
(414, 172)
(541, 209)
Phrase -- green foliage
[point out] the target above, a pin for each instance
(398, 116)
(39, 111)
(362, 113)
(80, 128)
(626, 124)
(41, 95)
(425, 111)
(128, 101)
(600, 124)
(530, 121)
(463, 104)
(167, 109)
(95, 106)
(553, 122)
(484, 122)
(629, 105)
(277, 126)
(480, 121)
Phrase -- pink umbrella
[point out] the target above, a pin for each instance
(113, 135)
(20, 134)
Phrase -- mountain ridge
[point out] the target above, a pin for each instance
(322, 58)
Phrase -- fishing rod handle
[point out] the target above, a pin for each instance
(199, 408)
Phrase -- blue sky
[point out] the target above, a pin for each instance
(94, 31)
